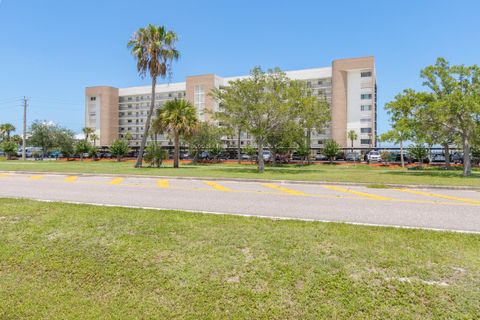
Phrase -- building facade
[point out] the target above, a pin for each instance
(349, 85)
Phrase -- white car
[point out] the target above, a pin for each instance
(374, 156)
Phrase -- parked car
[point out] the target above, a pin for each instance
(320, 157)
(205, 155)
(438, 158)
(267, 155)
(398, 158)
(352, 156)
(456, 157)
(246, 157)
(374, 156)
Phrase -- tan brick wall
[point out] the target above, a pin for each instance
(208, 82)
(108, 112)
(339, 94)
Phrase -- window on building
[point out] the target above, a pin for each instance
(129, 121)
(93, 98)
(199, 100)
(320, 141)
(365, 130)
(320, 82)
(366, 96)
(365, 120)
(365, 141)
(366, 74)
(366, 107)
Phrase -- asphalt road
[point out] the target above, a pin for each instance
(437, 209)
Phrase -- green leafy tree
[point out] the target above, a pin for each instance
(119, 149)
(250, 151)
(313, 112)
(331, 150)
(402, 115)
(419, 152)
(352, 136)
(65, 142)
(9, 147)
(43, 135)
(178, 118)
(154, 48)
(204, 137)
(285, 138)
(265, 102)
(82, 146)
(455, 102)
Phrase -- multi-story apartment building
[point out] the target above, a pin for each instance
(349, 85)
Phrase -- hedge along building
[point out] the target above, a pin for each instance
(349, 85)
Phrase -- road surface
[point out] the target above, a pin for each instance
(419, 208)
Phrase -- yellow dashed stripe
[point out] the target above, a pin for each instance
(436, 195)
(285, 190)
(117, 181)
(36, 177)
(163, 184)
(358, 193)
(71, 179)
(217, 186)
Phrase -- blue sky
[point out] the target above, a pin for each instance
(52, 49)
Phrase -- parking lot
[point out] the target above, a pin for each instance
(422, 208)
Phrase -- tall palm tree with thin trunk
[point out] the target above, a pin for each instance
(154, 49)
(178, 118)
(87, 132)
(6, 129)
(94, 139)
(352, 136)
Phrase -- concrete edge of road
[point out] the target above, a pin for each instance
(364, 224)
(353, 184)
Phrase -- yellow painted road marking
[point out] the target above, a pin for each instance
(436, 195)
(359, 193)
(218, 186)
(71, 179)
(285, 190)
(163, 184)
(117, 181)
(36, 177)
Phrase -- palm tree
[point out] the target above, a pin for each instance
(6, 129)
(154, 49)
(94, 139)
(352, 135)
(178, 118)
(87, 132)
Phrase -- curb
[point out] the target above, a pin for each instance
(360, 184)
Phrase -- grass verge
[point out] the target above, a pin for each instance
(88, 262)
(323, 172)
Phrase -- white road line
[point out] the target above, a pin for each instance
(254, 216)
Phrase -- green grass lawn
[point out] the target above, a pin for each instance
(322, 172)
(88, 262)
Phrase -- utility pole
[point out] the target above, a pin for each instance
(24, 138)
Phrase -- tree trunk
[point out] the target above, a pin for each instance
(467, 165)
(309, 144)
(446, 151)
(402, 160)
(138, 164)
(352, 144)
(81, 156)
(261, 163)
(176, 153)
(239, 149)
(118, 158)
